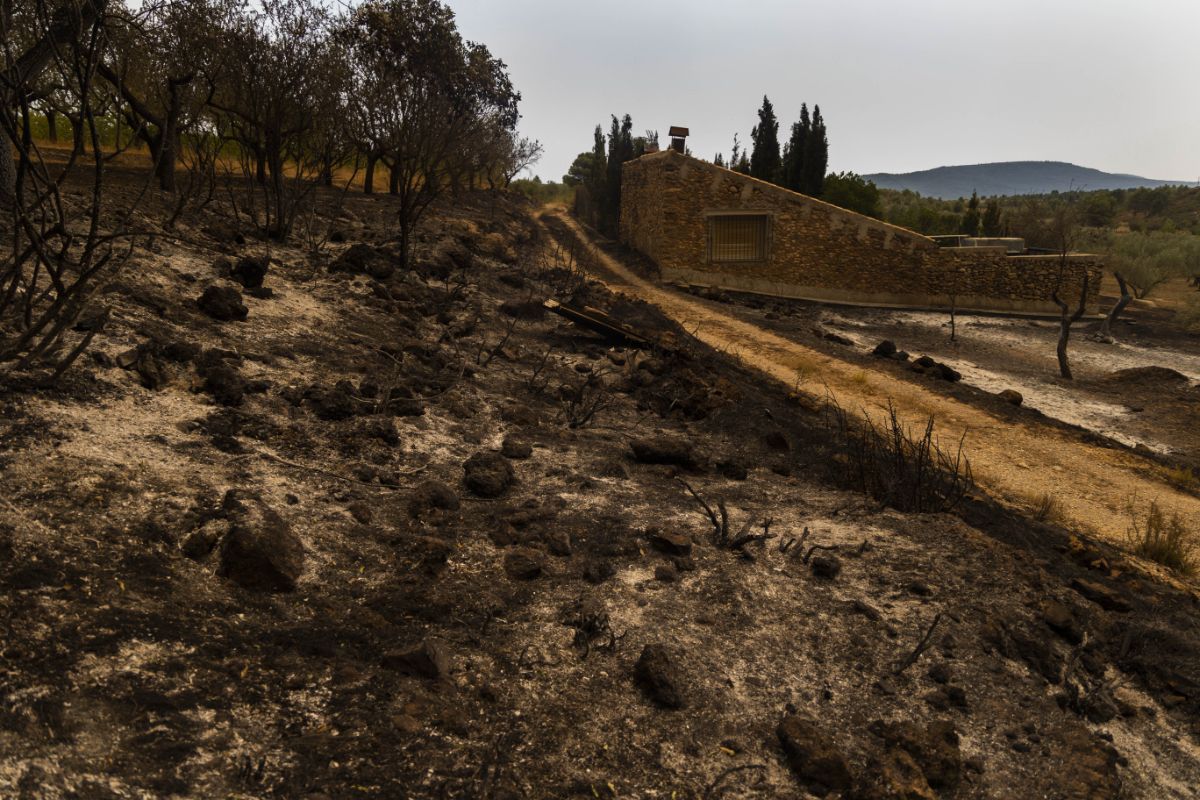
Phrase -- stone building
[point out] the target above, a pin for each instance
(705, 225)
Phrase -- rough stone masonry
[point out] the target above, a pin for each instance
(818, 251)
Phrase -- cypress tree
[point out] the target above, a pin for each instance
(793, 162)
(970, 220)
(993, 222)
(816, 156)
(764, 160)
(620, 150)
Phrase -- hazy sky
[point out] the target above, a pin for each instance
(903, 84)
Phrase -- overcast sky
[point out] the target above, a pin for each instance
(903, 84)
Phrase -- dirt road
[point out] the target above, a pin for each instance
(1016, 463)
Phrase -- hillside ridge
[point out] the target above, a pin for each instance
(1010, 178)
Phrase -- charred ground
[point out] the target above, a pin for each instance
(400, 533)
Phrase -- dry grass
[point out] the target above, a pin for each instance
(1047, 508)
(1164, 538)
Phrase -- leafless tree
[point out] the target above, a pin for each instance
(59, 250)
(1063, 229)
(1106, 334)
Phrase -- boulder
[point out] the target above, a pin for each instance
(934, 747)
(223, 303)
(664, 450)
(515, 448)
(659, 677)
(362, 259)
(260, 552)
(523, 564)
(224, 383)
(885, 349)
(672, 543)
(826, 566)
(428, 659)
(250, 271)
(432, 494)
(1011, 396)
(487, 474)
(818, 765)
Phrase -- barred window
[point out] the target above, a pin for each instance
(737, 237)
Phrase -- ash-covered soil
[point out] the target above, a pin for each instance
(403, 534)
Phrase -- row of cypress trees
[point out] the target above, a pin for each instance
(798, 165)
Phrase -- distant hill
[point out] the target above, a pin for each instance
(1009, 177)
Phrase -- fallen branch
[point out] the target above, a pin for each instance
(921, 647)
(328, 474)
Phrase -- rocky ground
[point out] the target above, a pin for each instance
(305, 524)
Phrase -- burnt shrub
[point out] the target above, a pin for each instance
(900, 468)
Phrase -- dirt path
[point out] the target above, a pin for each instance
(1016, 463)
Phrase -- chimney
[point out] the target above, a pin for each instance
(678, 135)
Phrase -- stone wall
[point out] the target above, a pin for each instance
(819, 251)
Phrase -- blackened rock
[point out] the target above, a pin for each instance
(815, 762)
(513, 447)
(948, 373)
(1011, 396)
(826, 566)
(261, 552)
(1101, 595)
(523, 564)
(598, 570)
(432, 494)
(223, 303)
(225, 384)
(181, 352)
(146, 361)
(672, 543)
(934, 747)
(250, 271)
(885, 349)
(1060, 620)
(362, 259)
(896, 776)
(659, 677)
(334, 403)
(664, 450)
(487, 474)
(429, 659)
(430, 552)
(733, 470)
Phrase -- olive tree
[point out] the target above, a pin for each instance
(422, 97)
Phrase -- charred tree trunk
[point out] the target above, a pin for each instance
(394, 180)
(52, 126)
(369, 175)
(1068, 319)
(8, 170)
(1106, 328)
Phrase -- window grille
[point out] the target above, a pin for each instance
(737, 238)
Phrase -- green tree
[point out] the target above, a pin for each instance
(971, 219)
(764, 159)
(853, 192)
(793, 154)
(816, 156)
(993, 219)
(620, 150)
